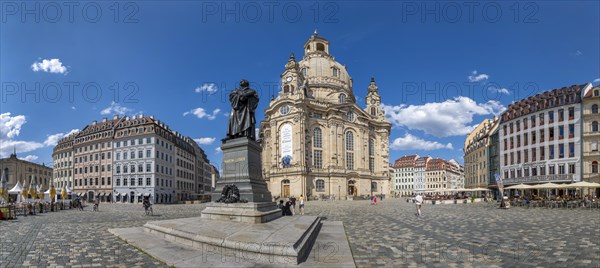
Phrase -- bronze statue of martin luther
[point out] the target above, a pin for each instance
(242, 122)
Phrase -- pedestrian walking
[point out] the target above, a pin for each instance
(96, 204)
(293, 200)
(374, 200)
(419, 201)
(301, 204)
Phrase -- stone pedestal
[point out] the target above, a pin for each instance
(242, 167)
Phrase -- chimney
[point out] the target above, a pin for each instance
(152, 117)
(134, 117)
(141, 115)
(94, 123)
(103, 119)
(115, 117)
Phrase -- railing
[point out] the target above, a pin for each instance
(539, 178)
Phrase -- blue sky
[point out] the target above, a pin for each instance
(441, 67)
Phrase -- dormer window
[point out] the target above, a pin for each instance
(320, 47)
(596, 93)
(342, 98)
(336, 72)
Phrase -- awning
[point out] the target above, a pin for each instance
(118, 194)
(147, 194)
(139, 194)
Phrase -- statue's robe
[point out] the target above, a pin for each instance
(241, 119)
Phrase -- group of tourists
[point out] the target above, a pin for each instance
(289, 207)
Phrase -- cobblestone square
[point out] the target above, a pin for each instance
(384, 235)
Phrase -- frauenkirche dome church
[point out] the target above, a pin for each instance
(317, 141)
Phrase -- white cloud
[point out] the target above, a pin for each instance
(578, 53)
(51, 140)
(596, 80)
(201, 113)
(7, 146)
(73, 108)
(205, 141)
(475, 77)
(49, 66)
(29, 158)
(410, 142)
(499, 90)
(441, 119)
(218, 150)
(115, 108)
(210, 88)
(10, 126)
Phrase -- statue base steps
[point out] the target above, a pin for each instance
(252, 212)
(285, 241)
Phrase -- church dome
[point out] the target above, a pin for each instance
(320, 68)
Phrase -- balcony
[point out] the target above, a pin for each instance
(540, 179)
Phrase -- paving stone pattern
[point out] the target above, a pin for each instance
(384, 235)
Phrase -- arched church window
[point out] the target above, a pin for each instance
(286, 89)
(350, 116)
(373, 111)
(342, 98)
(317, 138)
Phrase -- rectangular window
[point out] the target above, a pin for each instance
(525, 156)
(140, 168)
(118, 156)
(533, 121)
(108, 167)
(533, 171)
(561, 151)
(571, 149)
(132, 168)
(542, 153)
(125, 169)
(571, 113)
(542, 170)
(512, 158)
(542, 135)
(550, 116)
(533, 154)
(148, 153)
(148, 181)
(132, 181)
(141, 141)
(118, 182)
(148, 168)
(518, 141)
(525, 123)
(124, 182)
(561, 115)
(551, 151)
(124, 155)
(518, 123)
(571, 130)
(140, 182)
(140, 154)
(561, 132)
(102, 155)
(551, 170)
(571, 168)
(525, 139)
(132, 153)
(519, 157)
(148, 140)
(561, 169)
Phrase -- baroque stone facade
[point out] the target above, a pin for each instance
(541, 137)
(125, 158)
(591, 135)
(476, 151)
(317, 141)
(26, 172)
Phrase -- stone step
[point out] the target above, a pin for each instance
(331, 249)
(287, 239)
